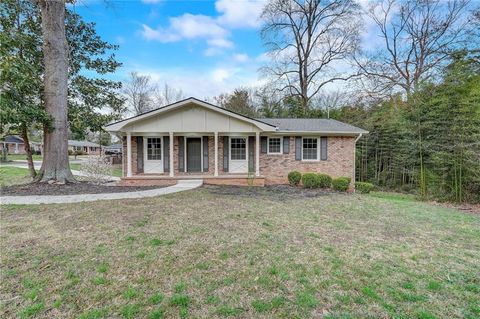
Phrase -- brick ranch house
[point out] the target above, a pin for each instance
(193, 139)
(14, 144)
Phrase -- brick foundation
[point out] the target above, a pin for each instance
(147, 182)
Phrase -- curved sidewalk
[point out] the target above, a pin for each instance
(182, 185)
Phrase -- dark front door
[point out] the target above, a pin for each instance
(194, 154)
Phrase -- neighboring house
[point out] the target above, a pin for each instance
(113, 149)
(14, 144)
(195, 139)
(86, 147)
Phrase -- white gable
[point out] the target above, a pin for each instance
(190, 116)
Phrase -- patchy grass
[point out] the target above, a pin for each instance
(116, 169)
(17, 175)
(203, 254)
(16, 157)
(13, 176)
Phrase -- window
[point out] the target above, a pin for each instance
(310, 149)
(274, 145)
(154, 148)
(238, 147)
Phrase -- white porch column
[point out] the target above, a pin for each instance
(171, 153)
(129, 154)
(257, 154)
(216, 154)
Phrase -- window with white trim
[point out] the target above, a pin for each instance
(238, 148)
(310, 148)
(274, 145)
(154, 148)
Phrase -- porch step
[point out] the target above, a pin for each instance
(239, 180)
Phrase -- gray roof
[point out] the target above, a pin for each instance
(314, 125)
(13, 139)
(113, 146)
(82, 143)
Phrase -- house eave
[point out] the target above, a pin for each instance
(328, 133)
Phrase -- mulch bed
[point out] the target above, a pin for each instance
(68, 189)
(285, 192)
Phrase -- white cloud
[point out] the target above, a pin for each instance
(220, 75)
(199, 82)
(186, 26)
(240, 57)
(215, 30)
(240, 14)
(220, 43)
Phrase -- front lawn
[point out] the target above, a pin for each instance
(16, 157)
(13, 176)
(233, 252)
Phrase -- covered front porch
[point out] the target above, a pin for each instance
(191, 138)
(216, 157)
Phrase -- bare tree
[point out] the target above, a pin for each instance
(418, 37)
(55, 165)
(305, 40)
(330, 100)
(239, 101)
(167, 95)
(139, 91)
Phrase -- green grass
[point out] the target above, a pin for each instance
(201, 254)
(13, 176)
(16, 157)
(17, 175)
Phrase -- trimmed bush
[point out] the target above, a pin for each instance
(310, 180)
(325, 181)
(341, 184)
(363, 187)
(294, 178)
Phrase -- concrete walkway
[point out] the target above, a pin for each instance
(182, 185)
(74, 172)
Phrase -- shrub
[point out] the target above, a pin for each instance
(325, 181)
(363, 187)
(97, 168)
(310, 180)
(341, 183)
(294, 178)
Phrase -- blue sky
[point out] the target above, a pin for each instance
(202, 47)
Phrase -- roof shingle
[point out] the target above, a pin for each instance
(313, 125)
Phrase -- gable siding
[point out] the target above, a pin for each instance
(192, 118)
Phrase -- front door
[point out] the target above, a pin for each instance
(152, 155)
(238, 155)
(194, 154)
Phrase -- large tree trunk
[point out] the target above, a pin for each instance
(28, 152)
(55, 165)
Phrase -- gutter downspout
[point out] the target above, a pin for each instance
(354, 159)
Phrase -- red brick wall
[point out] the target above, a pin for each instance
(134, 155)
(340, 161)
(11, 148)
(275, 168)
